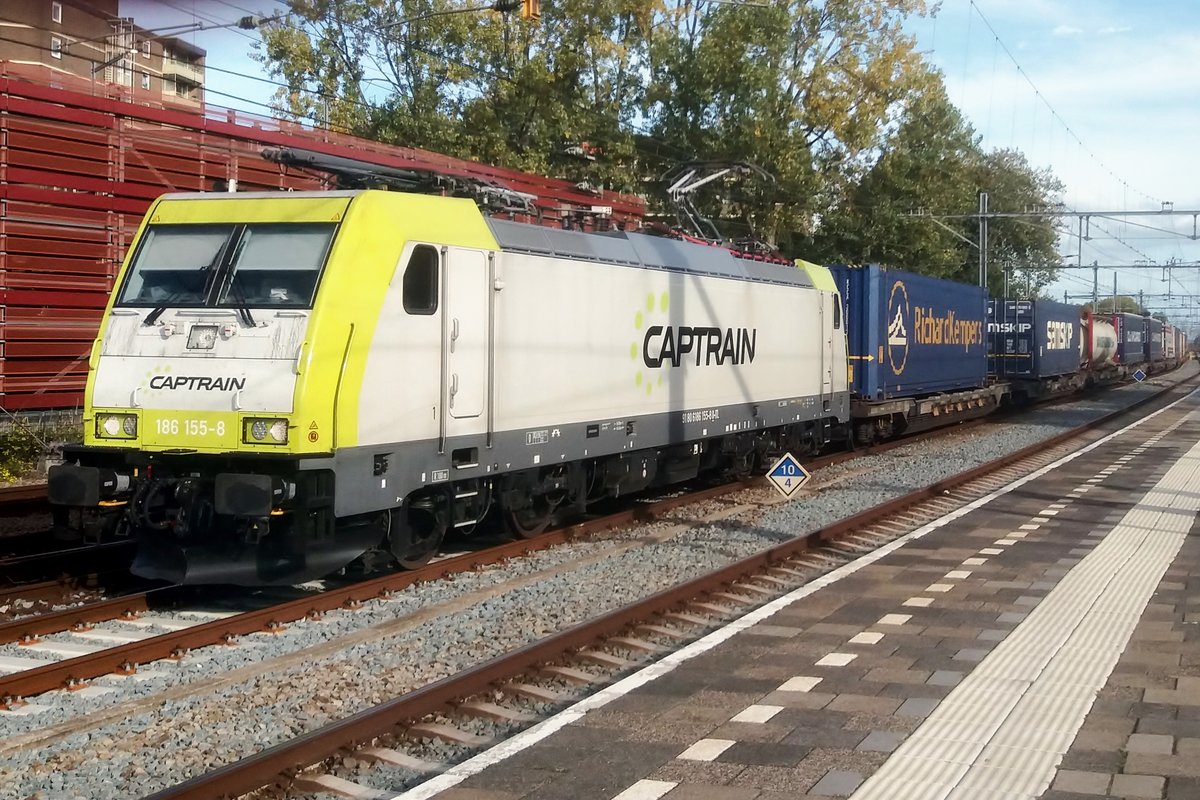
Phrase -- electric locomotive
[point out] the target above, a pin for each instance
(285, 383)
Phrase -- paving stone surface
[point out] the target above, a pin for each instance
(848, 701)
(1140, 731)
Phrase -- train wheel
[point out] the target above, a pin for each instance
(525, 523)
(419, 553)
(417, 530)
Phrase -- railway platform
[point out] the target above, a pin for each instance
(1043, 642)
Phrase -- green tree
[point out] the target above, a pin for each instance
(1124, 304)
(478, 85)
(926, 169)
(828, 96)
(802, 89)
(1026, 247)
(912, 207)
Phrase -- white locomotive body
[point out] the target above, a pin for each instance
(363, 371)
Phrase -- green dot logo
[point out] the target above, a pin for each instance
(656, 306)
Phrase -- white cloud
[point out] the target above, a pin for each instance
(1067, 30)
(1109, 30)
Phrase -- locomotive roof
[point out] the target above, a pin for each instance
(640, 250)
(613, 247)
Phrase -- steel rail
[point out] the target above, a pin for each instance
(22, 493)
(124, 658)
(276, 764)
(81, 560)
(85, 667)
(28, 629)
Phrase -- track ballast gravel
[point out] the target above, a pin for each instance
(135, 742)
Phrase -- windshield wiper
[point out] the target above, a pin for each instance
(157, 311)
(239, 300)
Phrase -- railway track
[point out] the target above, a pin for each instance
(37, 577)
(24, 519)
(24, 516)
(92, 652)
(503, 689)
(162, 638)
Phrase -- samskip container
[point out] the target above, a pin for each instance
(1032, 338)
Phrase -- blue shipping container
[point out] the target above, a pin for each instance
(1152, 342)
(1131, 335)
(910, 335)
(1032, 338)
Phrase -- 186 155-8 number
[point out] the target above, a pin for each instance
(190, 427)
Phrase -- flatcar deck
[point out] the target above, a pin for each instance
(1042, 644)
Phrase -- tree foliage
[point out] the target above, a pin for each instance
(828, 96)
(1123, 304)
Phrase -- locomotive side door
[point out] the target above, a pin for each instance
(465, 334)
(829, 313)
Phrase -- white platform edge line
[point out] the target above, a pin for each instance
(531, 736)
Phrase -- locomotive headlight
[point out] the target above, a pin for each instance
(265, 431)
(116, 426)
(278, 430)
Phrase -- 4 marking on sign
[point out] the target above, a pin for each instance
(787, 475)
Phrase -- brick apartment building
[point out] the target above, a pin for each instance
(89, 39)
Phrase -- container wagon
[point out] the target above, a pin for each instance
(1035, 345)
(917, 350)
(1152, 341)
(1131, 332)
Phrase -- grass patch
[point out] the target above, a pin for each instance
(24, 444)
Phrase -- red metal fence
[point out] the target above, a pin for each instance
(79, 165)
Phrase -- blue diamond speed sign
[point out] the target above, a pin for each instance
(787, 475)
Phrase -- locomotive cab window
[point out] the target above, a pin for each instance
(173, 265)
(230, 265)
(421, 281)
(837, 312)
(276, 265)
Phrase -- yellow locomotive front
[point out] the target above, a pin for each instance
(214, 375)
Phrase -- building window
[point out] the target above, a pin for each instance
(56, 12)
(55, 47)
(145, 80)
(146, 49)
(166, 54)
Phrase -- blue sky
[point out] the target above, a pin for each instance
(1120, 76)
